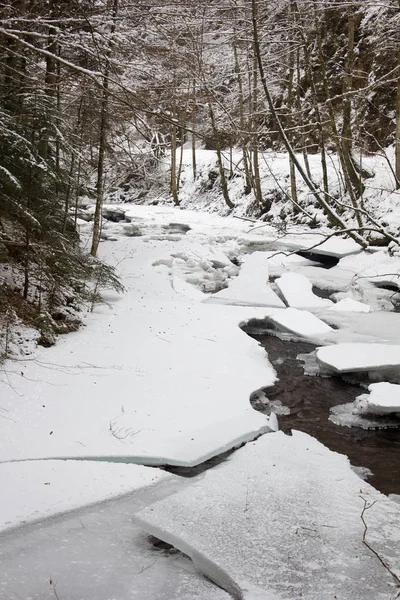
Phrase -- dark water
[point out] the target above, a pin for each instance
(310, 399)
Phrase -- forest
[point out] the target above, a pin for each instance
(95, 93)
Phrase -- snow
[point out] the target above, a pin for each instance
(157, 376)
(297, 291)
(163, 374)
(383, 399)
(251, 287)
(49, 482)
(281, 519)
(301, 322)
(343, 358)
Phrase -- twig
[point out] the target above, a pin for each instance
(245, 219)
(54, 588)
(147, 567)
(364, 541)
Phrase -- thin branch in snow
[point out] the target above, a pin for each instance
(364, 541)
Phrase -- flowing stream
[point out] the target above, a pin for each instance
(309, 400)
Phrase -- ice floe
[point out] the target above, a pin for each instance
(250, 287)
(343, 358)
(297, 291)
(282, 519)
(33, 490)
(350, 305)
(96, 553)
(352, 414)
(300, 322)
(318, 244)
(383, 399)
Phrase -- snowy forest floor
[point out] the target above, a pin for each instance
(162, 375)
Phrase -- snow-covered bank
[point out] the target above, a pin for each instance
(380, 197)
(152, 378)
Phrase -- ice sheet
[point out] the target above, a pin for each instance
(297, 291)
(350, 305)
(33, 490)
(301, 322)
(315, 244)
(251, 287)
(343, 358)
(97, 554)
(282, 519)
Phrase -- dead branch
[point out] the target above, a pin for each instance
(364, 541)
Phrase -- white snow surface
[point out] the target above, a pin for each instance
(343, 358)
(281, 519)
(152, 378)
(297, 291)
(162, 375)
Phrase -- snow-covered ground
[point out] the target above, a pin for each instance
(163, 375)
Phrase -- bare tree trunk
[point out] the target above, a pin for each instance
(307, 60)
(194, 121)
(173, 180)
(292, 170)
(347, 134)
(336, 137)
(224, 184)
(254, 135)
(103, 139)
(182, 141)
(247, 186)
(397, 166)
